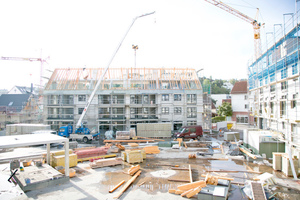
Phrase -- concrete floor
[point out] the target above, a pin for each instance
(95, 183)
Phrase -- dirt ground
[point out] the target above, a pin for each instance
(156, 170)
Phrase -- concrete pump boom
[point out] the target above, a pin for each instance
(105, 70)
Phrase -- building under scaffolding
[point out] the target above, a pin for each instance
(126, 97)
(274, 85)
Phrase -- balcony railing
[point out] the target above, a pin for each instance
(60, 116)
(118, 101)
(60, 102)
(113, 116)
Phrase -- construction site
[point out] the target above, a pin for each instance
(147, 133)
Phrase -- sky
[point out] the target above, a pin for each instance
(181, 33)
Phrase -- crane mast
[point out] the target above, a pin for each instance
(256, 25)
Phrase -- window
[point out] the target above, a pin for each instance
(165, 97)
(191, 98)
(266, 80)
(191, 112)
(191, 123)
(246, 106)
(282, 108)
(165, 110)
(272, 77)
(245, 97)
(272, 88)
(261, 90)
(294, 69)
(82, 98)
(177, 97)
(177, 110)
(80, 110)
(261, 82)
(241, 119)
(284, 85)
(272, 107)
(283, 73)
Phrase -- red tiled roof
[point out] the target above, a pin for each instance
(239, 88)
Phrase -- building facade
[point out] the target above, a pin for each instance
(240, 104)
(274, 85)
(125, 97)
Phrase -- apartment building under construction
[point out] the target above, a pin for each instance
(274, 84)
(126, 97)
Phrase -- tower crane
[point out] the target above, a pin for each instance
(30, 60)
(256, 25)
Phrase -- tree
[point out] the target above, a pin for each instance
(225, 109)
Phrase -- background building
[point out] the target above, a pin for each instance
(127, 96)
(240, 104)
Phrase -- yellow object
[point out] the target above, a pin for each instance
(229, 125)
(27, 163)
(60, 160)
(134, 156)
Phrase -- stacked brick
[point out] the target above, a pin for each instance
(86, 153)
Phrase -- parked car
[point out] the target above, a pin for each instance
(193, 132)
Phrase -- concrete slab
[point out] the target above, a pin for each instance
(34, 177)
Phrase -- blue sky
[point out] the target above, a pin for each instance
(182, 33)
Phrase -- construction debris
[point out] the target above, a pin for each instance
(122, 148)
(189, 189)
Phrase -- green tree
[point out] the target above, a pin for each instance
(225, 109)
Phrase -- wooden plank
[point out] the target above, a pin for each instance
(117, 186)
(190, 173)
(124, 188)
(194, 192)
(219, 177)
(232, 171)
(189, 186)
(186, 192)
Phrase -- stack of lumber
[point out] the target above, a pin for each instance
(189, 189)
(132, 170)
(151, 150)
(134, 156)
(122, 148)
(87, 153)
(213, 180)
(124, 153)
(106, 162)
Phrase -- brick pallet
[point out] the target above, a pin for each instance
(86, 153)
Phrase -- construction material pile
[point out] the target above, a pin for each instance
(86, 153)
(151, 150)
(106, 162)
(189, 189)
